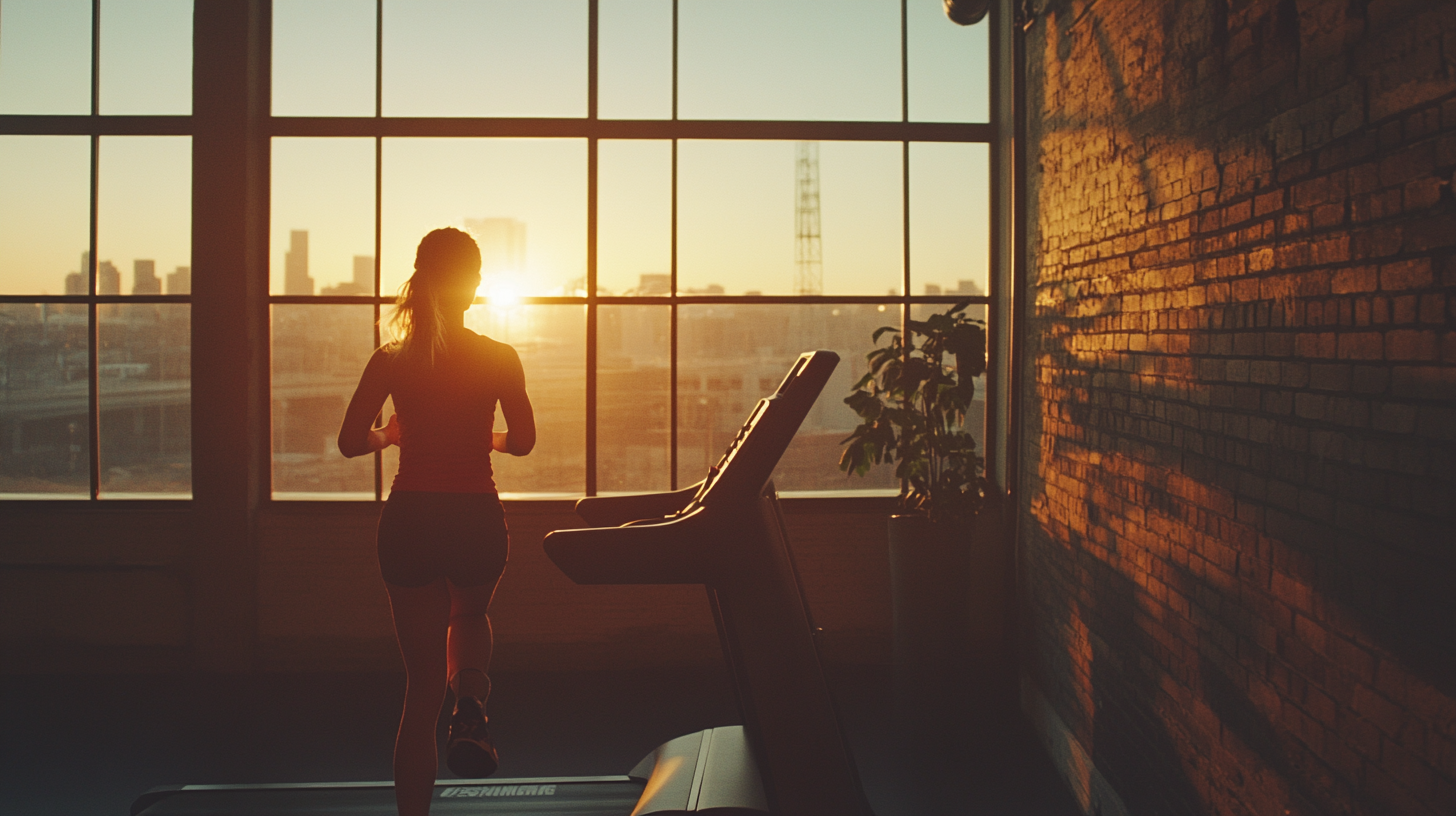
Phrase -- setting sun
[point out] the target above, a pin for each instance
(501, 293)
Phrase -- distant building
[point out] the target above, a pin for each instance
(502, 244)
(656, 284)
(144, 280)
(108, 279)
(932, 288)
(967, 287)
(364, 273)
(180, 282)
(76, 283)
(295, 265)
(363, 282)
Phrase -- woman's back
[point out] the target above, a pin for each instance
(447, 411)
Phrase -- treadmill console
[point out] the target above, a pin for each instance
(728, 534)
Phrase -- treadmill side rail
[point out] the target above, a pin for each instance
(153, 796)
(712, 771)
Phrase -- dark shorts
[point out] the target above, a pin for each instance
(426, 536)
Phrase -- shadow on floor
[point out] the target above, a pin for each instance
(79, 745)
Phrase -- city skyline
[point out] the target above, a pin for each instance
(735, 208)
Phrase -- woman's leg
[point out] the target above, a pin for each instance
(470, 640)
(421, 620)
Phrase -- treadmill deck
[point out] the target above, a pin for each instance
(586, 795)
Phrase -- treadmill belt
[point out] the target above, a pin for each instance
(594, 796)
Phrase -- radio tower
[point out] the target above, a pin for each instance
(809, 247)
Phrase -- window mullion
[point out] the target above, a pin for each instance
(672, 417)
(591, 254)
(591, 316)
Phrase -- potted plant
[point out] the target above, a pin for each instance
(913, 404)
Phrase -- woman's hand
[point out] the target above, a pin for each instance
(381, 438)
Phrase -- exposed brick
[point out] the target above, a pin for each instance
(1407, 164)
(1393, 417)
(1244, 402)
(1403, 309)
(1412, 274)
(1369, 379)
(1410, 344)
(1360, 346)
(1433, 309)
(1354, 279)
(1274, 200)
(1422, 193)
(1311, 406)
(1329, 377)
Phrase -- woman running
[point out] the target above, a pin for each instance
(442, 534)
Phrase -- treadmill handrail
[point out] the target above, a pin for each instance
(611, 511)
(649, 551)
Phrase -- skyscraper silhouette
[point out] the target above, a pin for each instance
(295, 265)
(144, 280)
(108, 279)
(180, 282)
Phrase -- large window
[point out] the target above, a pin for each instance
(95, 249)
(673, 200)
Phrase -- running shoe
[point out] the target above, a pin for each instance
(469, 753)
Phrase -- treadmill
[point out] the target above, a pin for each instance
(727, 532)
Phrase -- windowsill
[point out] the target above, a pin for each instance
(71, 503)
(793, 501)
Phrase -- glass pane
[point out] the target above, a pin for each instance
(45, 57)
(146, 57)
(322, 236)
(493, 58)
(44, 393)
(976, 416)
(143, 368)
(950, 217)
(633, 399)
(323, 58)
(634, 59)
(950, 67)
(552, 343)
(634, 217)
(318, 354)
(524, 200)
(144, 213)
(737, 220)
(769, 59)
(45, 214)
(731, 356)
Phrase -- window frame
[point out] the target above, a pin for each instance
(593, 130)
(998, 438)
(96, 126)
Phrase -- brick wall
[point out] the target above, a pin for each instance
(1238, 561)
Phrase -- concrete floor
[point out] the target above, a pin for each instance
(78, 745)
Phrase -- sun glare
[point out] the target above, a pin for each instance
(499, 293)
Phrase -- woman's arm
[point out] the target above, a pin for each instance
(520, 436)
(356, 436)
